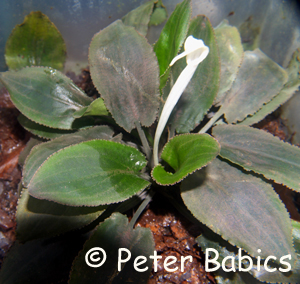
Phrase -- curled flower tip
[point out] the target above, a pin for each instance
(195, 51)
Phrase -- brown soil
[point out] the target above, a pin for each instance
(12, 141)
(175, 236)
(84, 82)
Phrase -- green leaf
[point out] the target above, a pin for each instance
(250, 33)
(223, 277)
(231, 54)
(171, 38)
(159, 14)
(41, 130)
(292, 276)
(296, 235)
(36, 42)
(241, 208)
(139, 18)
(29, 145)
(40, 261)
(41, 152)
(91, 173)
(113, 234)
(97, 108)
(261, 152)
(41, 218)
(45, 95)
(210, 240)
(185, 154)
(285, 94)
(203, 87)
(258, 81)
(125, 72)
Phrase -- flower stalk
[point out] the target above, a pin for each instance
(211, 122)
(195, 51)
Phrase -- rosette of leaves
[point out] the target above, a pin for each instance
(86, 173)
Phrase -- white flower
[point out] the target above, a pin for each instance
(195, 51)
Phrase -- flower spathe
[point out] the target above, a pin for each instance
(195, 51)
